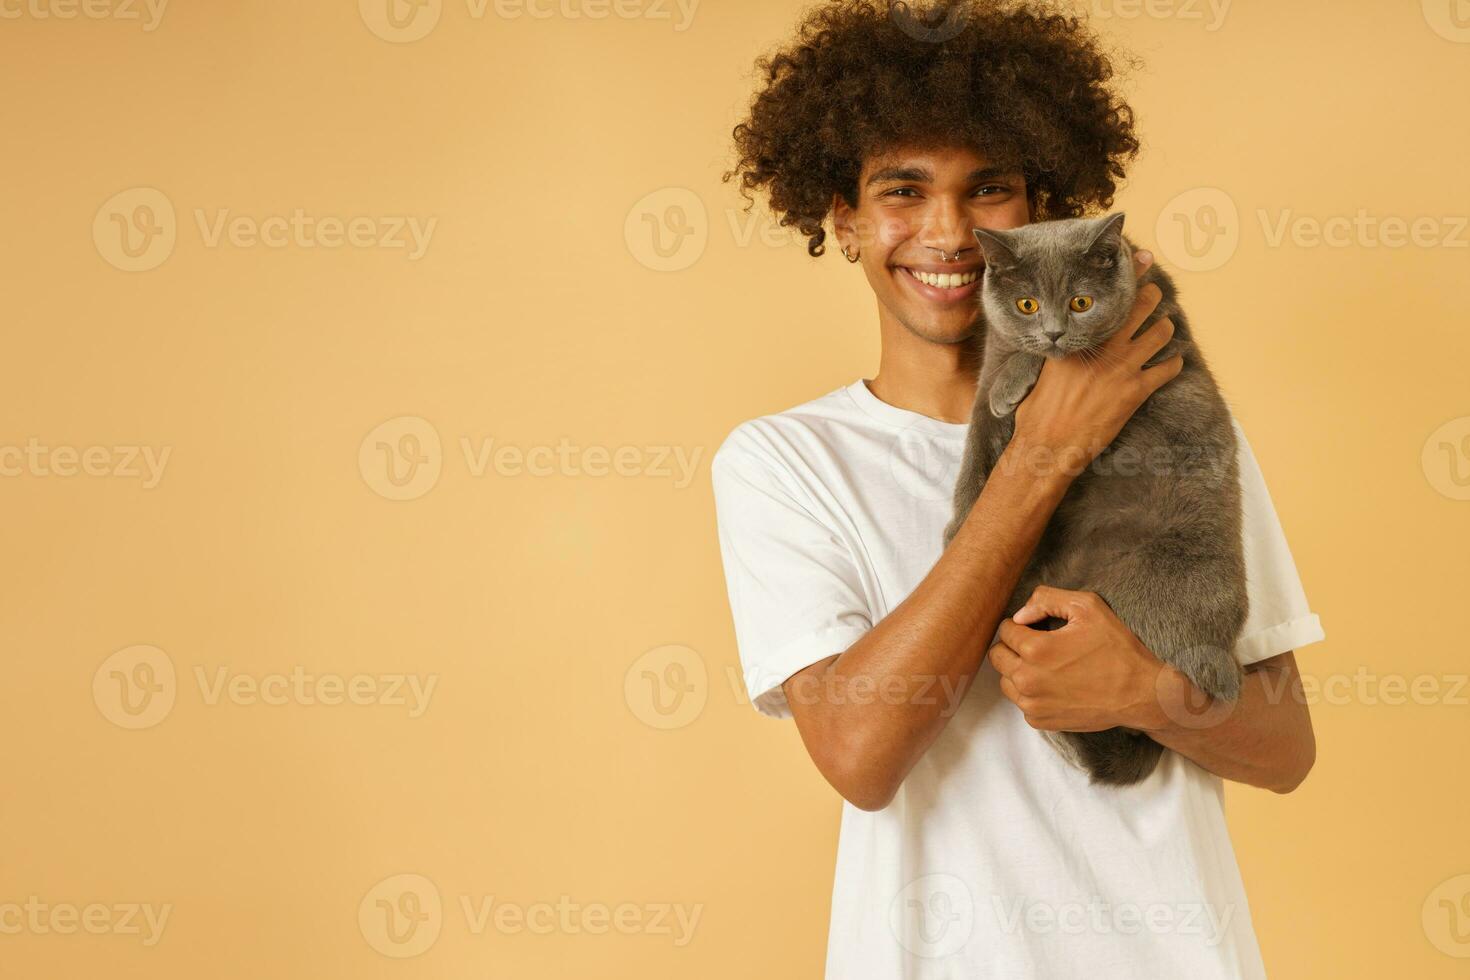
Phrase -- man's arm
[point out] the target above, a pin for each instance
(1264, 738)
(868, 714)
(1094, 673)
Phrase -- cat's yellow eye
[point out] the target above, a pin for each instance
(1027, 305)
(1081, 304)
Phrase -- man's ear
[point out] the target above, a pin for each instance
(842, 221)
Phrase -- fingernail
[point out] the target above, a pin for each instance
(1145, 256)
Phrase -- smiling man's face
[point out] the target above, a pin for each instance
(916, 209)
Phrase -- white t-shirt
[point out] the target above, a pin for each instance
(997, 858)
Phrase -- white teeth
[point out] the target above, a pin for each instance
(944, 280)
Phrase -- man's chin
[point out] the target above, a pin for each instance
(942, 331)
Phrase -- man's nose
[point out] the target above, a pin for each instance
(947, 230)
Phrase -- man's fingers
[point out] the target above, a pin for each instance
(1026, 616)
(1048, 600)
(1152, 340)
(1144, 303)
(1019, 638)
(1003, 659)
(1148, 297)
(1142, 259)
(1008, 688)
(1163, 372)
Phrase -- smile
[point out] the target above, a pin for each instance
(943, 288)
(944, 280)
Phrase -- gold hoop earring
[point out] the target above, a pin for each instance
(850, 258)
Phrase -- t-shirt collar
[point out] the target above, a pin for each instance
(903, 418)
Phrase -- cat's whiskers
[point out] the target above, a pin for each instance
(1099, 354)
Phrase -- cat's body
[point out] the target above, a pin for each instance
(1153, 525)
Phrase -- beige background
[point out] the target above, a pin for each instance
(540, 598)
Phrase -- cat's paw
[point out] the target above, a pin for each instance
(1013, 382)
(1003, 403)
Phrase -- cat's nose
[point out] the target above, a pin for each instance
(1052, 335)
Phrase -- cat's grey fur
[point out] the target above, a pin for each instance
(1159, 541)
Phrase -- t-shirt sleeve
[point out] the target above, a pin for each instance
(796, 595)
(1279, 618)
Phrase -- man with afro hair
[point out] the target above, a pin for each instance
(968, 846)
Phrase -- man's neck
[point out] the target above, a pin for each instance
(924, 376)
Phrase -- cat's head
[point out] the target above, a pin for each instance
(1057, 287)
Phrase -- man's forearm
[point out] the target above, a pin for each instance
(1264, 738)
(869, 714)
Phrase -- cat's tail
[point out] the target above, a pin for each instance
(1117, 756)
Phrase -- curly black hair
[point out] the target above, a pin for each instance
(1020, 81)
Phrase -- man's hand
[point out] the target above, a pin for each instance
(1087, 675)
(1092, 673)
(1080, 403)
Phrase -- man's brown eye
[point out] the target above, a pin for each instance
(1027, 305)
(1081, 304)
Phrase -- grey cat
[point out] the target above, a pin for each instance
(1153, 525)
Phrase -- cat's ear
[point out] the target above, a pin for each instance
(998, 252)
(1107, 242)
